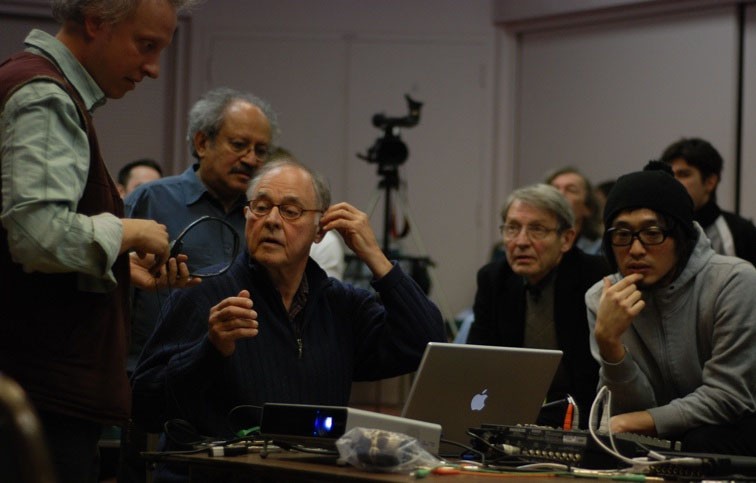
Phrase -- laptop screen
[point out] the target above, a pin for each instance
(462, 386)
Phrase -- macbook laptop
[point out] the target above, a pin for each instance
(462, 386)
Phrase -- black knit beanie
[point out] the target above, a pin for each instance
(654, 188)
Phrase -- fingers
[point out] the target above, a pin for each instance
(631, 279)
(607, 284)
(618, 305)
(178, 275)
(172, 274)
(154, 239)
(145, 236)
(625, 294)
(342, 215)
(232, 319)
(237, 304)
(354, 227)
(352, 224)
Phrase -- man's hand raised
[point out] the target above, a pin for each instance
(619, 304)
(230, 320)
(354, 227)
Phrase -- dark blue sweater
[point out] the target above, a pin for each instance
(347, 335)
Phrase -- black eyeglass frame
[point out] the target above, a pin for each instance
(279, 205)
(177, 244)
(637, 235)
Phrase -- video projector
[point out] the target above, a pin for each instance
(320, 426)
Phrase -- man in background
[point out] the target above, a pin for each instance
(230, 134)
(64, 240)
(534, 297)
(698, 166)
(136, 173)
(582, 198)
(674, 329)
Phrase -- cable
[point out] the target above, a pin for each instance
(178, 451)
(506, 450)
(177, 245)
(604, 395)
(516, 460)
(304, 449)
(467, 448)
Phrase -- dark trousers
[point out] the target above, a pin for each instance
(738, 438)
(73, 447)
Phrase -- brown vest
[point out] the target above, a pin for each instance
(67, 348)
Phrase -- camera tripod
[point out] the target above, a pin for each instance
(388, 152)
(421, 267)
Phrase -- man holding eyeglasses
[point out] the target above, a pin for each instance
(674, 329)
(274, 327)
(534, 297)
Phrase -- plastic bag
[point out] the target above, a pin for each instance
(383, 451)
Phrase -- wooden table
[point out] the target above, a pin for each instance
(294, 467)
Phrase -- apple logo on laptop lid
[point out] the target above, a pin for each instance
(478, 401)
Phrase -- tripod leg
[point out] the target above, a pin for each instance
(373, 203)
(442, 299)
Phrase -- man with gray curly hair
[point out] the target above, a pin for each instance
(230, 134)
(63, 234)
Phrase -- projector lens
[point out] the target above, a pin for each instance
(323, 425)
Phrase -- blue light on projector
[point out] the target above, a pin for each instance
(323, 425)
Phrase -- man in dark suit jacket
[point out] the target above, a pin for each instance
(535, 297)
(697, 164)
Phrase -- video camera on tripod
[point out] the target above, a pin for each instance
(390, 151)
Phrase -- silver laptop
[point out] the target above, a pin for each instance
(462, 386)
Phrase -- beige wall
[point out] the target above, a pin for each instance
(511, 89)
(606, 89)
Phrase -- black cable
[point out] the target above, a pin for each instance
(303, 449)
(178, 244)
(514, 459)
(467, 448)
(176, 247)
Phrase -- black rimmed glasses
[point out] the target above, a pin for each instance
(510, 231)
(652, 235)
(288, 211)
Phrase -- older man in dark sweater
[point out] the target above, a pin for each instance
(279, 330)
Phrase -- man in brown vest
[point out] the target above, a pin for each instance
(63, 242)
